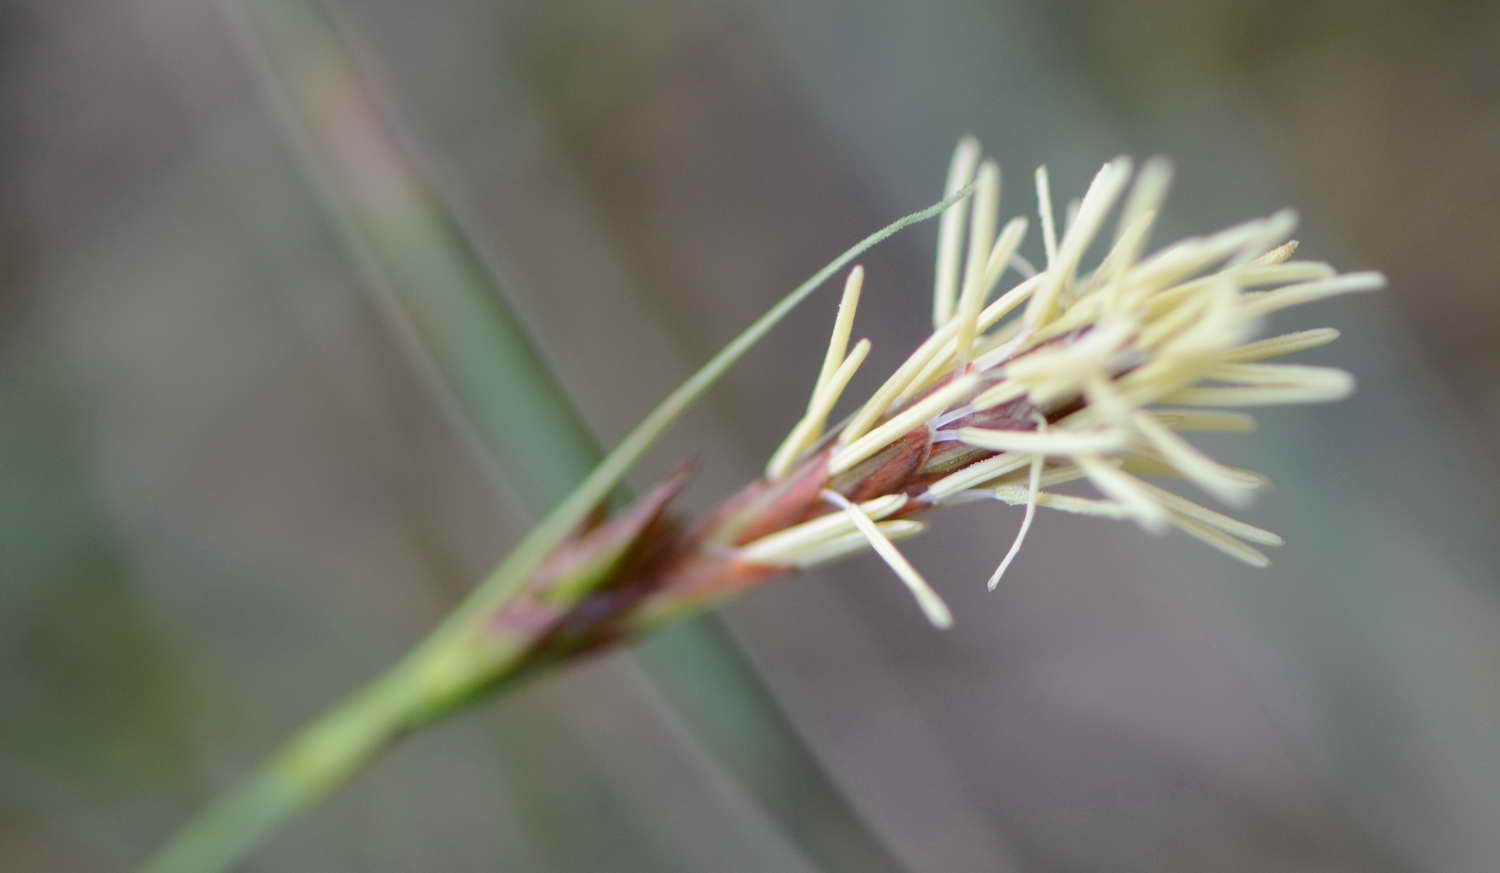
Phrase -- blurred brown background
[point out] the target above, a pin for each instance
(227, 494)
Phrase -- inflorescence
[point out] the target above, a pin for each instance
(1069, 374)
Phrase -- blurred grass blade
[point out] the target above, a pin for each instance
(431, 286)
(439, 295)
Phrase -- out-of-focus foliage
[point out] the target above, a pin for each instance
(227, 495)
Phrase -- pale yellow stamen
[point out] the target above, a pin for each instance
(1044, 209)
(1286, 344)
(1266, 302)
(1272, 238)
(1101, 195)
(1184, 259)
(975, 475)
(1265, 395)
(1175, 322)
(932, 605)
(1060, 474)
(1109, 279)
(1070, 215)
(1253, 274)
(1019, 495)
(972, 303)
(1047, 443)
(1147, 461)
(847, 544)
(833, 376)
(1194, 465)
(986, 214)
(785, 547)
(1204, 420)
(892, 389)
(1071, 361)
(1245, 276)
(843, 327)
(1001, 393)
(951, 232)
(938, 364)
(807, 431)
(1278, 254)
(1181, 505)
(1104, 403)
(1003, 255)
(1124, 488)
(1146, 195)
(1220, 540)
(1326, 378)
(909, 419)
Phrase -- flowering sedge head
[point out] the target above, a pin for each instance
(1031, 378)
(1034, 377)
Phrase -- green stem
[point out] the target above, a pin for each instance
(318, 759)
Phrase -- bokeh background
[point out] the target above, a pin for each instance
(229, 492)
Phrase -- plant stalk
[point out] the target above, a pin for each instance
(320, 758)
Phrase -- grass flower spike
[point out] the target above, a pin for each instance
(1030, 380)
(1069, 374)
